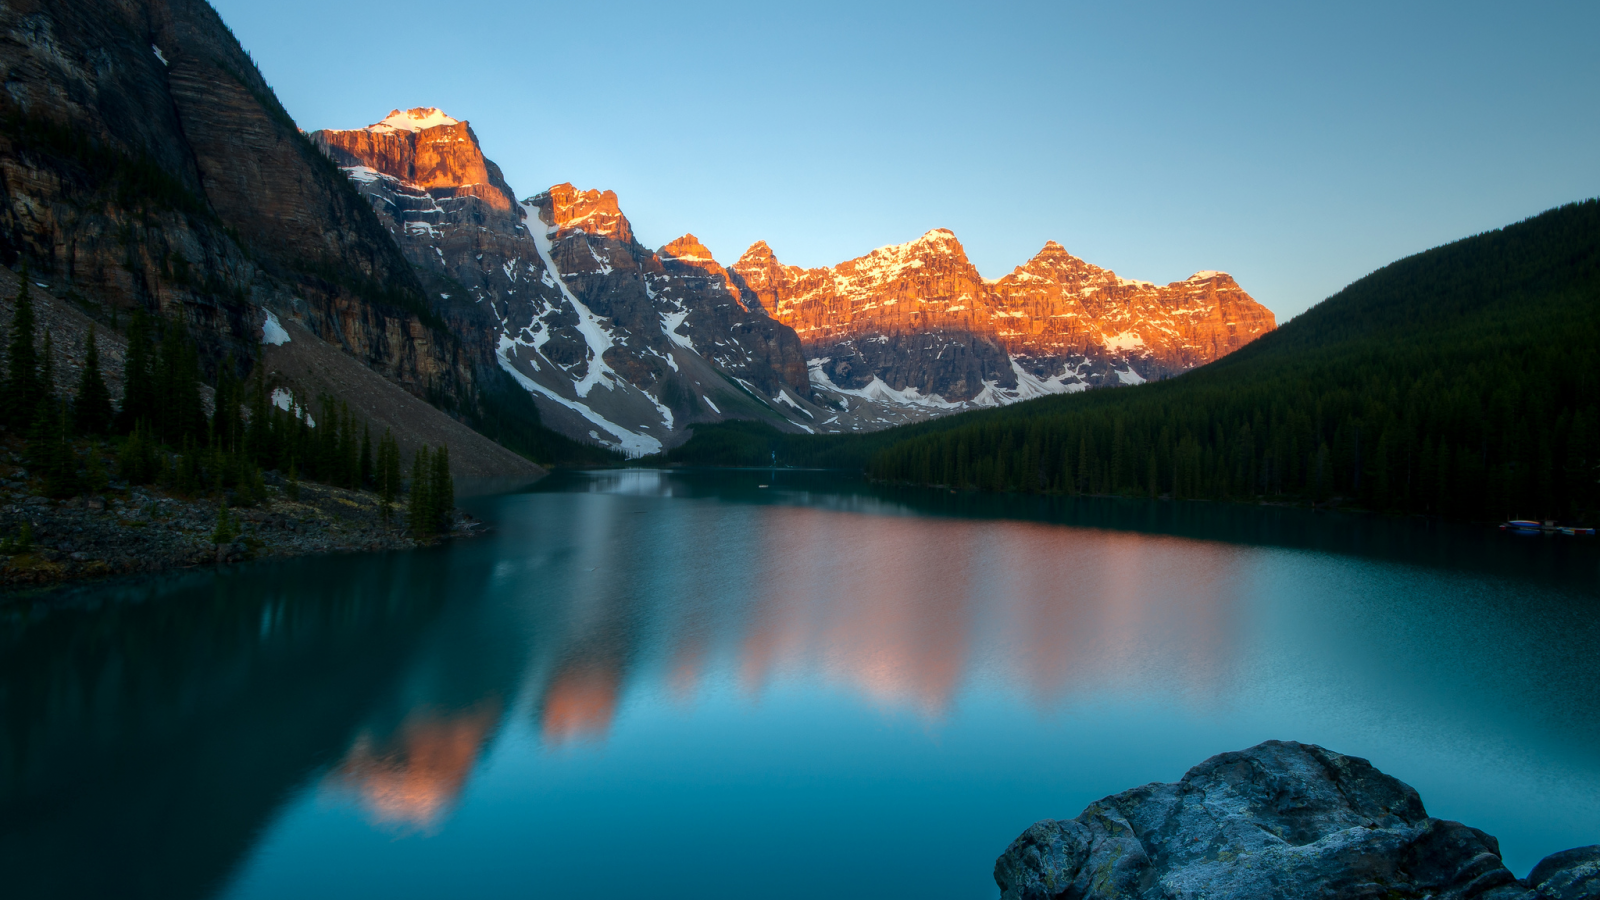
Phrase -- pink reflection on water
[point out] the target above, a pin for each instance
(581, 701)
(864, 601)
(907, 610)
(412, 778)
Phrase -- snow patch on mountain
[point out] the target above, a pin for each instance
(272, 332)
(412, 120)
(590, 326)
(1030, 386)
(285, 401)
(876, 390)
(1127, 340)
(630, 443)
(669, 325)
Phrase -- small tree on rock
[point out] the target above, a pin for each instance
(92, 412)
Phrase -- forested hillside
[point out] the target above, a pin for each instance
(1461, 381)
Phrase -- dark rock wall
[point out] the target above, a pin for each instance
(183, 187)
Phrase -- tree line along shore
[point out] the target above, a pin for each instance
(89, 487)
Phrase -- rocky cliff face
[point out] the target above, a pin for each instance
(591, 212)
(425, 148)
(615, 343)
(916, 324)
(146, 163)
(1281, 820)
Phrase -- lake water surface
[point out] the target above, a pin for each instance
(776, 685)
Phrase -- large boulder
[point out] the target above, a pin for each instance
(1279, 820)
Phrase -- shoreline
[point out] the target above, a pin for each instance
(140, 530)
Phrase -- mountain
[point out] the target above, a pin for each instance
(615, 343)
(1463, 381)
(916, 324)
(146, 165)
(631, 347)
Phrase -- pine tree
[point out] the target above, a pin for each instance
(189, 481)
(42, 450)
(49, 451)
(388, 472)
(365, 474)
(227, 529)
(136, 462)
(138, 377)
(325, 461)
(349, 449)
(92, 412)
(441, 489)
(393, 476)
(61, 473)
(258, 436)
(21, 389)
(95, 476)
(421, 505)
(178, 411)
(227, 428)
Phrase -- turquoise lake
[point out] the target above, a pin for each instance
(770, 684)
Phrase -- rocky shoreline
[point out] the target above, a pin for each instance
(135, 530)
(1279, 820)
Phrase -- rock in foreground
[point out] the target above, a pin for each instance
(1279, 820)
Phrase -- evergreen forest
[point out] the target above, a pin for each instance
(163, 435)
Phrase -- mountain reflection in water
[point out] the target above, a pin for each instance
(690, 651)
(412, 778)
(899, 609)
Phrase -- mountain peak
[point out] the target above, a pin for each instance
(425, 148)
(688, 248)
(1053, 250)
(412, 120)
(1054, 263)
(591, 212)
(758, 252)
(940, 241)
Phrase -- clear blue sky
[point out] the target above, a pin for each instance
(1296, 147)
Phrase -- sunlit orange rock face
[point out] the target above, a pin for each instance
(1051, 310)
(924, 285)
(1057, 303)
(591, 212)
(426, 148)
(414, 778)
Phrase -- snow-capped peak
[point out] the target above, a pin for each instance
(1206, 275)
(412, 120)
